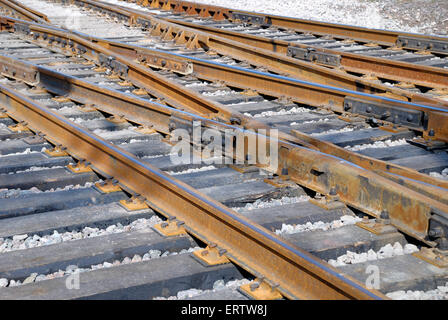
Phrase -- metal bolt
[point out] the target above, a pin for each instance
(436, 232)
(333, 191)
(384, 215)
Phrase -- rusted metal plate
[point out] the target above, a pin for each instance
(434, 45)
(166, 63)
(9, 68)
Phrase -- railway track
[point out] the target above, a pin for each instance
(83, 102)
(375, 54)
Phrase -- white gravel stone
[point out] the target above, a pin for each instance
(410, 248)
(217, 286)
(442, 175)
(3, 282)
(19, 237)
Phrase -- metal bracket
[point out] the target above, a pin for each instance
(134, 203)
(428, 144)
(15, 69)
(432, 256)
(377, 227)
(57, 151)
(310, 54)
(87, 108)
(171, 228)
(211, 256)
(33, 140)
(81, 167)
(3, 114)
(423, 44)
(21, 28)
(396, 115)
(248, 18)
(259, 289)
(21, 126)
(117, 119)
(108, 186)
(158, 61)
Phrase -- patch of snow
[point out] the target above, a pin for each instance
(25, 241)
(218, 285)
(378, 144)
(294, 110)
(346, 129)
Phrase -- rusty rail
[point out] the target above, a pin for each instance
(147, 113)
(383, 68)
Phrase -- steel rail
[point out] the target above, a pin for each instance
(382, 68)
(24, 12)
(298, 274)
(370, 164)
(410, 211)
(383, 37)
